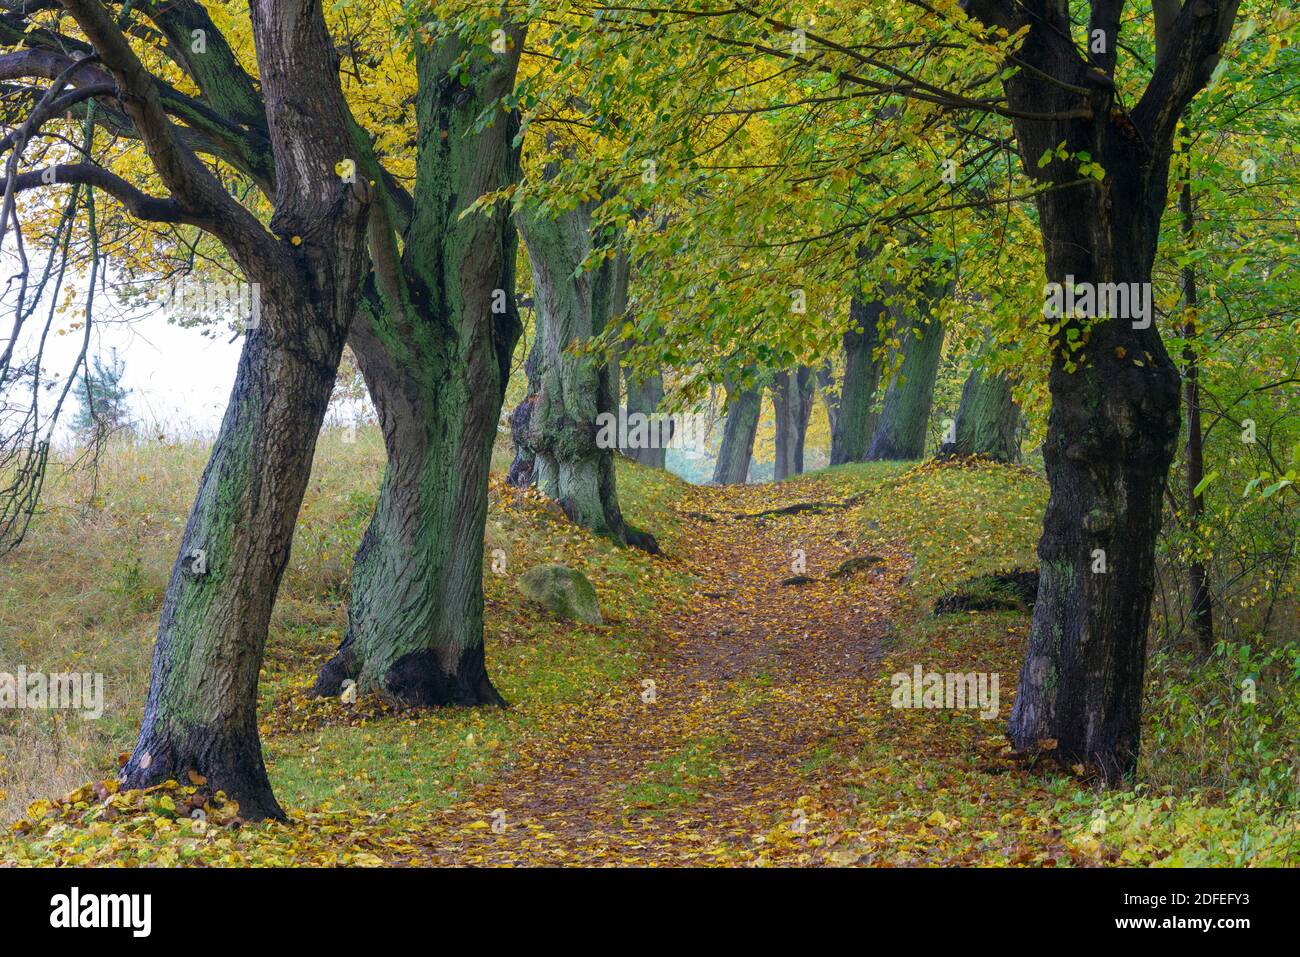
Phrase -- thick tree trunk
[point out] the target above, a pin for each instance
(901, 430)
(1115, 402)
(792, 396)
(201, 712)
(853, 427)
(436, 365)
(576, 393)
(1112, 430)
(988, 420)
(201, 709)
(737, 449)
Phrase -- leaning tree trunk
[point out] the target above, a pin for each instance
(436, 366)
(901, 430)
(851, 432)
(743, 408)
(576, 392)
(792, 402)
(988, 420)
(201, 710)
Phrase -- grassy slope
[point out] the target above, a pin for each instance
(84, 594)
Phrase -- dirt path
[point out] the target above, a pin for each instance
(721, 752)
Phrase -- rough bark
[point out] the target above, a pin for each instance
(201, 710)
(792, 395)
(1115, 391)
(901, 429)
(435, 349)
(988, 420)
(737, 449)
(856, 422)
(574, 390)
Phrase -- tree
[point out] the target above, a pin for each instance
(856, 420)
(576, 392)
(434, 342)
(743, 404)
(1115, 391)
(643, 398)
(901, 429)
(988, 419)
(446, 305)
(792, 395)
(830, 395)
(103, 408)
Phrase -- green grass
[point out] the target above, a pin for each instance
(84, 593)
(676, 780)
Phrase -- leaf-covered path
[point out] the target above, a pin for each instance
(720, 752)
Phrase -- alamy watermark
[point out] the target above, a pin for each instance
(133, 912)
(56, 691)
(1099, 300)
(652, 430)
(239, 303)
(954, 690)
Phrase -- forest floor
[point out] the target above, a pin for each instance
(737, 708)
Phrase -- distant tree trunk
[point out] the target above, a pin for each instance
(415, 618)
(522, 471)
(988, 420)
(901, 430)
(792, 396)
(743, 408)
(1198, 579)
(576, 393)
(643, 397)
(853, 427)
(830, 396)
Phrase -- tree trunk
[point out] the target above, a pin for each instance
(643, 398)
(792, 402)
(522, 471)
(576, 398)
(743, 408)
(1115, 397)
(853, 427)
(436, 363)
(1197, 576)
(988, 420)
(1115, 408)
(901, 430)
(201, 711)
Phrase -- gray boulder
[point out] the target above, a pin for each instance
(563, 591)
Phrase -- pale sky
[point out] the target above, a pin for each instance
(179, 379)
